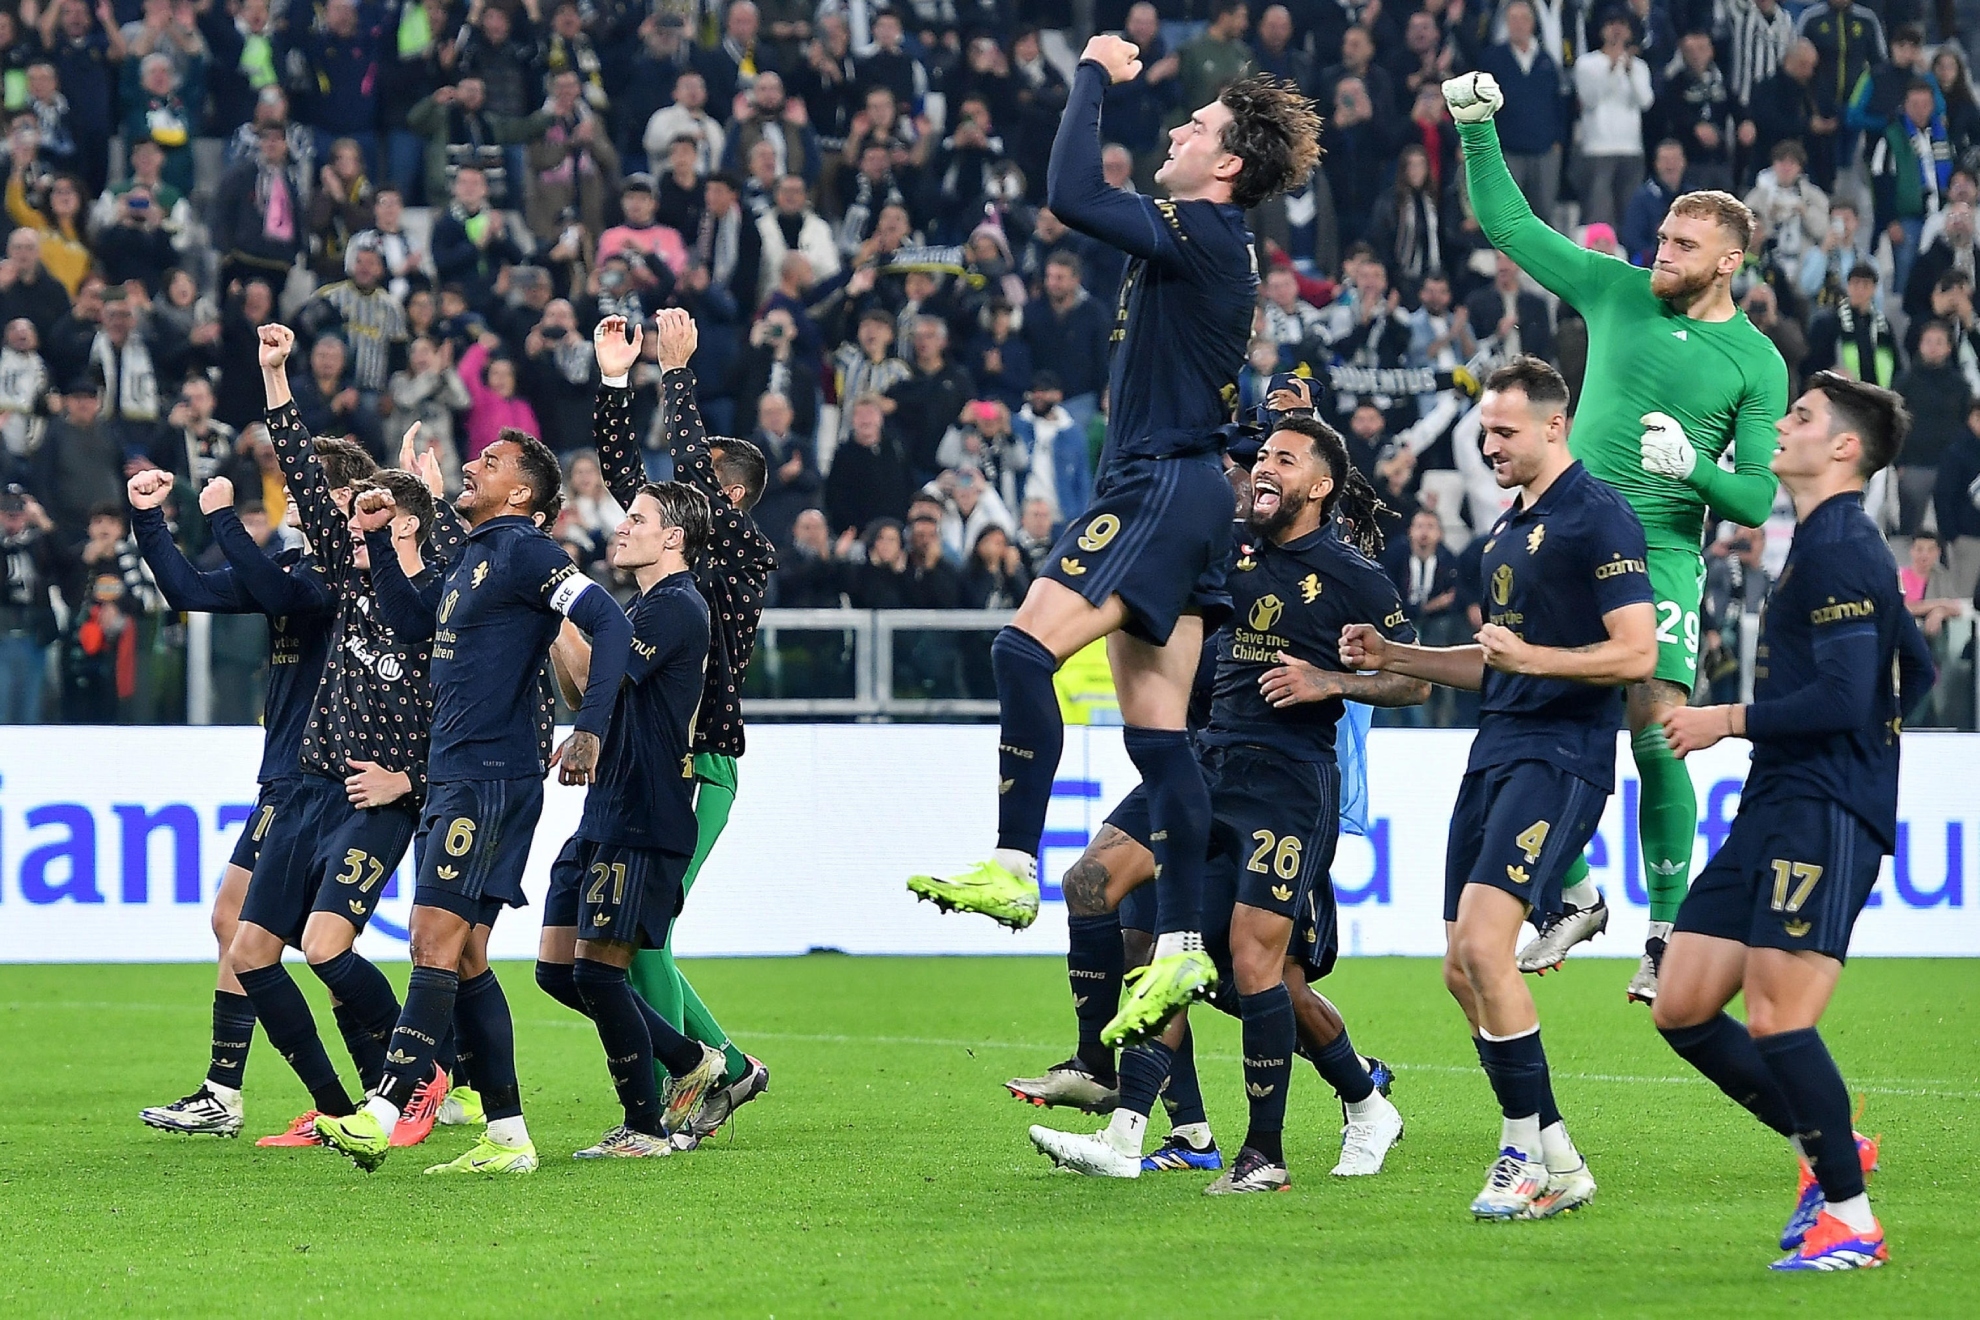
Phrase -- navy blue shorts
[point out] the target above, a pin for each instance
(1519, 828)
(1130, 817)
(356, 852)
(281, 890)
(1275, 823)
(1792, 874)
(612, 892)
(478, 833)
(1157, 535)
(276, 796)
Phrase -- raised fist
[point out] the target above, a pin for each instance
(277, 342)
(1119, 57)
(216, 495)
(147, 489)
(1473, 98)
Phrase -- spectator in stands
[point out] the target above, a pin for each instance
(80, 465)
(471, 242)
(327, 397)
(662, 56)
(1792, 105)
(1753, 36)
(59, 218)
(1036, 532)
(1357, 50)
(1274, 51)
(560, 378)
(878, 580)
(998, 360)
(1357, 153)
(339, 62)
(1853, 337)
(1136, 111)
(491, 386)
(30, 564)
(126, 359)
(1927, 585)
(258, 214)
(135, 246)
(1439, 336)
(26, 288)
(340, 209)
(1649, 204)
(1411, 223)
(1955, 249)
(429, 392)
(1426, 576)
(1698, 110)
(1955, 83)
(1289, 320)
(1068, 330)
(793, 226)
(869, 476)
(1531, 127)
(864, 195)
(931, 399)
(1936, 392)
(868, 367)
(1825, 268)
(1952, 303)
(241, 398)
(728, 252)
(995, 576)
(462, 129)
(777, 361)
(1505, 311)
(1792, 211)
(732, 66)
(25, 387)
(1953, 504)
(1763, 309)
(1876, 99)
(1613, 84)
(1910, 168)
(792, 483)
(1422, 59)
(83, 55)
(573, 166)
(1736, 585)
(1060, 470)
(768, 115)
(156, 112)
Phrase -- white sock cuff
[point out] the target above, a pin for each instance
(1500, 1040)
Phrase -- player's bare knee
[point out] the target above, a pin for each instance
(436, 938)
(613, 953)
(322, 941)
(253, 948)
(1085, 887)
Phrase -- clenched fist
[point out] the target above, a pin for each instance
(1119, 57)
(216, 495)
(1473, 98)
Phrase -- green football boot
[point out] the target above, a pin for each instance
(990, 888)
(359, 1136)
(489, 1156)
(1157, 993)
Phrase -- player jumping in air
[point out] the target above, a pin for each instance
(733, 571)
(1677, 376)
(491, 620)
(1568, 619)
(1771, 914)
(618, 883)
(1269, 755)
(1144, 566)
(284, 587)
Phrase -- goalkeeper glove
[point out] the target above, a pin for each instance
(1667, 451)
(1473, 98)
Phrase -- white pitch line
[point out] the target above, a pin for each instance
(1924, 1088)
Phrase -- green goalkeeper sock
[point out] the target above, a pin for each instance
(1577, 890)
(658, 982)
(1666, 822)
(701, 1025)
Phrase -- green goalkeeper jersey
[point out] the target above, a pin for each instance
(1723, 381)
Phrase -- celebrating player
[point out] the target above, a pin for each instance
(1568, 618)
(618, 882)
(323, 865)
(1771, 913)
(1144, 566)
(733, 573)
(285, 588)
(504, 596)
(1275, 794)
(1677, 375)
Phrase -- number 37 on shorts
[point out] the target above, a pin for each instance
(1677, 579)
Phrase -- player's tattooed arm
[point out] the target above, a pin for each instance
(611, 409)
(1364, 648)
(1295, 682)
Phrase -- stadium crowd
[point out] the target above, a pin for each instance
(446, 199)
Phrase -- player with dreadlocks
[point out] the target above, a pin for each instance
(1303, 574)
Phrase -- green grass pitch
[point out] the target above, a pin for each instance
(887, 1171)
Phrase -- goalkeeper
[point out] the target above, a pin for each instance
(1677, 376)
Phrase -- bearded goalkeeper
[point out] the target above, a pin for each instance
(1677, 377)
